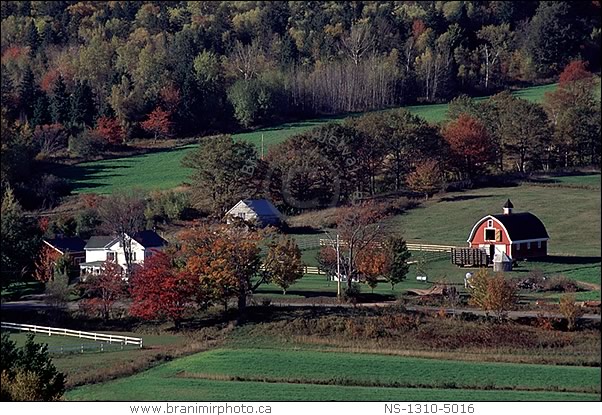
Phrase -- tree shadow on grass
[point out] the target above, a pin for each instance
(568, 260)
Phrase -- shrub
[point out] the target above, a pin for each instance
(560, 283)
(570, 310)
(166, 207)
(86, 144)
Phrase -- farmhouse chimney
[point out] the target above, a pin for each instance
(508, 206)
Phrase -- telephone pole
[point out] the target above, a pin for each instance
(338, 269)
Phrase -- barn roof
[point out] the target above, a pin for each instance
(71, 244)
(519, 226)
(522, 226)
(262, 207)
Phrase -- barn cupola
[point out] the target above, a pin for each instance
(508, 206)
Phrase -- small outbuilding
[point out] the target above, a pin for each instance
(260, 211)
(72, 246)
(517, 235)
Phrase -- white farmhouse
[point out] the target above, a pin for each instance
(108, 248)
(260, 211)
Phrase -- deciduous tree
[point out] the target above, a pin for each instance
(104, 289)
(162, 289)
(158, 123)
(492, 293)
(426, 179)
(470, 144)
(283, 262)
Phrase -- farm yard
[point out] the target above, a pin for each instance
(162, 169)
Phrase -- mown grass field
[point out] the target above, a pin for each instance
(314, 375)
(162, 170)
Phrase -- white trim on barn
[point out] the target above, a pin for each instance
(476, 226)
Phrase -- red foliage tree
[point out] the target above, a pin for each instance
(45, 263)
(160, 290)
(158, 122)
(574, 71)
(470, 144)
(170, 97)
(110, 130)
(102, 290)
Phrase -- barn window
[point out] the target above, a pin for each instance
(490, 224)
(490, 234)
(528, 245)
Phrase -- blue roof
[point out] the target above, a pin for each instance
(262, 207)
(71, 244)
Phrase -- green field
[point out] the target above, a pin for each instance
(313, 375)
(571, 214)
(162, 170)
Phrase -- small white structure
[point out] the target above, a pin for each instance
(260, 211)
(502, 262)
(108, 248)
(467, 278)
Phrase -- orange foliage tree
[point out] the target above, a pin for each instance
(470, 144)
(283, 262)
(426, 179)
(225, 261)
(45, 264)
(492, 293)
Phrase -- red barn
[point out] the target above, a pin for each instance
(518, 235)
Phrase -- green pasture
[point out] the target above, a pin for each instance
(272, 374)
(162, 169)
(571, 214)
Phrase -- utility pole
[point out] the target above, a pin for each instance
(338, 269)
(262, 146)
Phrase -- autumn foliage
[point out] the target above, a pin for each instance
(103, 290)
(470, 144)
(427, 178)
(158, 123)
(110, 130)
(492, 293)
(574, 71)
(162, 290)
(45, 264)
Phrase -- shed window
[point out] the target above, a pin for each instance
(490, 234)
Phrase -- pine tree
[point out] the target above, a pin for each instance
(82, 105)
(40, 110)
(59, 102)
(27, 94)
(32, 38)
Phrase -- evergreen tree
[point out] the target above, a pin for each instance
(27, 94)
(59, 102)
(82, 105)
(32, 38)
(40, 110)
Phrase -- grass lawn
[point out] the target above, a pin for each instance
(313, 375)
(162, 169)
(571, 215)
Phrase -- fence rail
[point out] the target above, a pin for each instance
(411, 246)
(110, 338)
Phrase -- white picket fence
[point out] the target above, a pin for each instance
(101, 337)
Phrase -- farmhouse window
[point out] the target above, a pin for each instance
(110, 256)
(490, 234)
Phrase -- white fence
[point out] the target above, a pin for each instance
(101, 337)
(411, 246)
